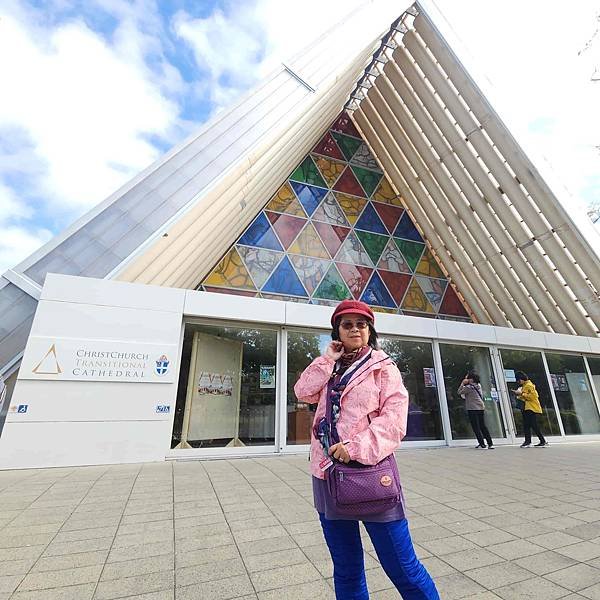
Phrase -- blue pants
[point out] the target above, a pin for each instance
(394, 549)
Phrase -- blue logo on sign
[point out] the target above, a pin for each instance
(22, 408)
(162, 365)
(163, 408)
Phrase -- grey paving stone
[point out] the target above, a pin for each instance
(62, 548)
(585, 531)
(60, 578)
(265, 562)
(576, 577)
(128, 586)
(448, 545)
(315, 590)
(457, 586)
(515, 549)
(471, 559)
(437, 567)
(499, 574)
(531, 589)
(75, 592)
(582, 551)
(282, 577)
(9, 583)
(223, 589)
(139, 566)
(206, 555)
(546, 562)
(140, 551)
(70, 561)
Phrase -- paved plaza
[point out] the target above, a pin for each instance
(510, 523)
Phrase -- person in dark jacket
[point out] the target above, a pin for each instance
(470, 390)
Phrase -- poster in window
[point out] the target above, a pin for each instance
(267, 376)
(559, 382)
(429, 377)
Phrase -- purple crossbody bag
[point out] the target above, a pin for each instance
(361, 490)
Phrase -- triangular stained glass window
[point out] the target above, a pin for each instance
(344, 124)
(391, 259)
(434, 289)
(333, 286)
(369, 221)
(429, 266)
(351, 205)
(353, 252)
(411, 251)
(348, 184)
(307, 172)
(230, 272)
(331, 235)
(385, 194)
(367, 179)
(284, 280)
(348, 145)
(330, 211)
(286, 227)
(415, 300)
(377, 294)
(396, 283)
(363, 158)
(389, 214)
(373, 243)
(451, 304)
(407, 230)
(328, 147)
(330, 169)
(260, 234)
(285, 201)
(355, 276)
(309, 196)
(308, 243)
(259, 262)
(310, 270)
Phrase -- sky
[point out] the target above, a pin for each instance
(94, 91)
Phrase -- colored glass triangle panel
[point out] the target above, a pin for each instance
(363, 158)
(307, 172)
(415, 300)
(433, 288)
(429, 266)
(355, 276)
(396, 283)
(389, 214)
(331, 235)
(309, 196)
(406, 229)
(344, 124)
(411, 251)
(260, 233)
(328, 147)
(353, 252)
(259, 262)
(309, 243)
(392, 260)
(367, 179)
(330, 211)
(285, 201)
(310, 270)
(385, 194)
(333, 286)
(348, 145)
(284, 280)
(377, 294)
(451, 304)
(351, 205)
(230, 272)
(369, 221)
(348, 184)
(286, 227)
(329, 169)
(373, 243)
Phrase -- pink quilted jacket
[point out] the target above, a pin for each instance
(375, 390)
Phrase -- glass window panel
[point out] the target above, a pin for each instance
(232, 398)
(532, 364)
(415, 361)
(302, 348)
(457, 360)
(594, 364)
(578, 409)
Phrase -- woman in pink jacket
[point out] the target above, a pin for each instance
(368, 406)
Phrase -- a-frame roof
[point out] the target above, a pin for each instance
(507, 244)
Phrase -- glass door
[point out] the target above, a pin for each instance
(532, 364)
(457, 360)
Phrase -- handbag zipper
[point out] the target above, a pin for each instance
(341, 476)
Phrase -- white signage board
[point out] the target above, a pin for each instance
(68, 359)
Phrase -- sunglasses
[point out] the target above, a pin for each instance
(347, 325)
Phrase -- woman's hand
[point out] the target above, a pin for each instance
(465, 382)
(339, 452)
(334, 350)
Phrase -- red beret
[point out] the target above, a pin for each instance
(352, 306)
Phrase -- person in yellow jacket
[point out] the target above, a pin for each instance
(531, 409)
